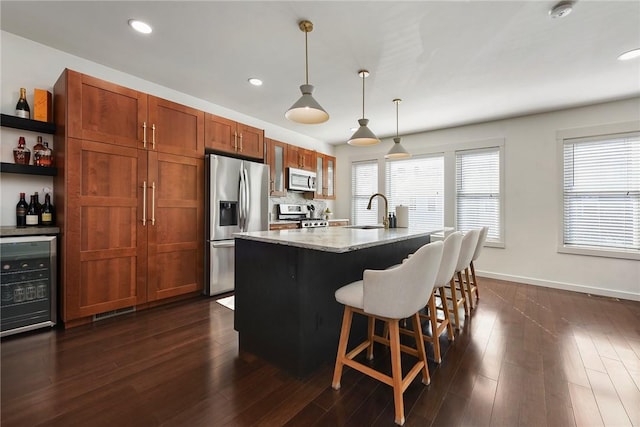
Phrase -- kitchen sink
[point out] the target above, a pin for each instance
(365, 227)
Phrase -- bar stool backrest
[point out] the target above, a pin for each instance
(483, 238)
(400, 292)
(450, 254)
(469, 242)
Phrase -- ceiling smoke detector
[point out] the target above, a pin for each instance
(561, 10)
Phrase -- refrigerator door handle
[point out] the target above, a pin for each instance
(223, 243)
(247, 196)
(242, 201)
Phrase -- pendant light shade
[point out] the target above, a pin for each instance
(363, 136)
(397, 150)
(306, 110)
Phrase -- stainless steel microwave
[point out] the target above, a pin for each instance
(301, 180)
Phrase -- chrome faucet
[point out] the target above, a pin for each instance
(385, 218)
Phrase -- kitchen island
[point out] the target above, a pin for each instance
(285, 280)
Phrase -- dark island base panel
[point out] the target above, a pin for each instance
(285, 308)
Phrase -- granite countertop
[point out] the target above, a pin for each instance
(334, 239)
(12, 230)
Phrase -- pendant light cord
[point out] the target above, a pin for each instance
(306, 58)
(363, 77)
(397, 103)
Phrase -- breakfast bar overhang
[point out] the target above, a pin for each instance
(285, 309)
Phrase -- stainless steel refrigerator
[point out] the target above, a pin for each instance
(237, 200)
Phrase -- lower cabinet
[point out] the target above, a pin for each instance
(338, 223)
(283, 226)
(175, 225)
(133, 227)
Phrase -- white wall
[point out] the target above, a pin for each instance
(532, 197)
(32, 65)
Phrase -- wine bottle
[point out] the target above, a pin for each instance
(46, 214)
(38, 207)
(32, 213)
(22, 107)
(21, 212)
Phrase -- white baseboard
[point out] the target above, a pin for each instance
(560, 285)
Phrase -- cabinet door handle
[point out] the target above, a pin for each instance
(144, 203)
(153, 203)
(153, 136)
(144, 134)
(235, 141)
(241, 143)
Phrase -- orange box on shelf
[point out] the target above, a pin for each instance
(42, 105)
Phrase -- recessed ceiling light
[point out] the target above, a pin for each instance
(255, 81)
(631, 54)
(353, 129)
(139, 26)
(561, 10)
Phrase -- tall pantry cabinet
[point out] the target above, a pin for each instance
(129, 197)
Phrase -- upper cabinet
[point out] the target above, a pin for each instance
(301, 158)
(276, 159)
(174, 128)
(325, 174)
(101, 111)
(232, 137)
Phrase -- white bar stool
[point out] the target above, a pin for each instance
(390, 295)
(472, 285)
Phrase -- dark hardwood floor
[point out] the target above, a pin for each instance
(527, 356)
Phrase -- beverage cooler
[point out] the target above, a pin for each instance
(27, 283)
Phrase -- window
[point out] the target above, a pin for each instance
(601, 193)
(418, 183)
(364, 183)
(478, 191)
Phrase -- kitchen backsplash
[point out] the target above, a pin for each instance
(294, 198)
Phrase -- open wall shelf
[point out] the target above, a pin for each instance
(28, 169)
(27, 124)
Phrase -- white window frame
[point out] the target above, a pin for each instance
(499, 242)
(594, 132)
(412, 207)
(374, 204)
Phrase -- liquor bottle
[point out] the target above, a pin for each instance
(38, 152)
(32, 213)
(21, 154)
(46, 214)
(22, 107)
(21, 212)
(47, 155)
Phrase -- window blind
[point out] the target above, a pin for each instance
(602, 192)
(364, 183)
(478, 192)
(418, 183)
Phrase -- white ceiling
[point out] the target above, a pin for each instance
(451, 62)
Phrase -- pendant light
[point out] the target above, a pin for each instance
(306, 110)
(397, 151)
(363, 136)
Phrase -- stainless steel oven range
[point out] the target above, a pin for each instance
(300, 213)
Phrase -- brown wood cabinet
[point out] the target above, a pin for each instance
(227, 136)
(338, 223)
(325, 173)
(130, 203)
(285, 226)
(276, 159)
(301, 158)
